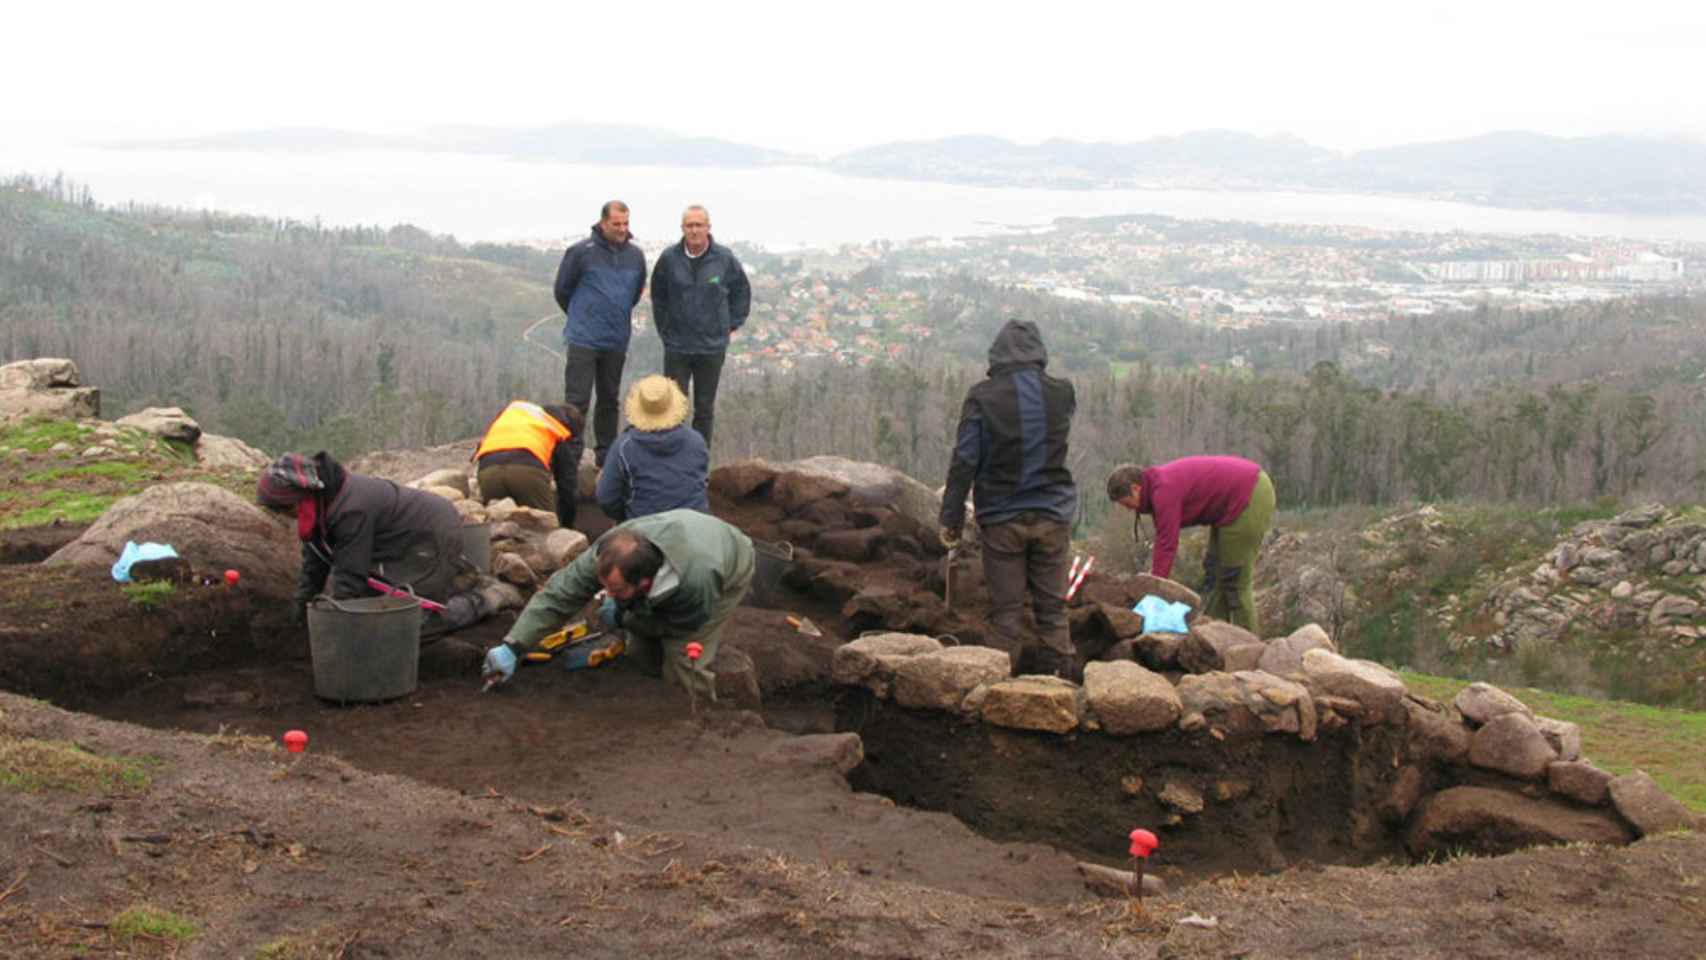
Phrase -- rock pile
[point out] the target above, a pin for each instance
(1638, 572)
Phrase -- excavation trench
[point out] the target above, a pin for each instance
(622, 745)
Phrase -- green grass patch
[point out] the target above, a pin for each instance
(149, 594)
(37, 436)
(1617, 736)
(119, 471)
(153, 923)
(43, 507)
(31, 766)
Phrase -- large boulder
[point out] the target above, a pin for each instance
(1579, 780)
(871, 660)
(209, 526)
(44, 373)
(1249, 702)
(1484, 820)
(1377, 689)
(1511, 744)
(47, 387)
(1480, 702)
(228, 453)
(1145, 584)
(1217, 645)
(402, 466)
(941, 680)
(1436, 732)
(872, 484)
(1647, 807)
(1033, 703)
(1126, 698)
(1284, 656)
(168, 423)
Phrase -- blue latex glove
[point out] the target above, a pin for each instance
(1159, 616)
(610, 613)
(500, 661)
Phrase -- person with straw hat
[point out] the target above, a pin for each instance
(659, 462)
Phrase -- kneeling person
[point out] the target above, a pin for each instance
(673, 579)
(524, 450)
(659, 463)
(355, 527)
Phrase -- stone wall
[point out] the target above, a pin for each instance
(1238, 767)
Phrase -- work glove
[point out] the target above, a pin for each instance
(500, 662)
(610, 612)
(950, 538)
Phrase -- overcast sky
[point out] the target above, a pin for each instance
(826, 77)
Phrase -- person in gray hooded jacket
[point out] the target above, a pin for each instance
(1010, 453)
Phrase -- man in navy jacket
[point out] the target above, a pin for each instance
(700, 295)
(598, 283)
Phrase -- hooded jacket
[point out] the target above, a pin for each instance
(372, 527)
(697, 301)
(597, 287)
(1010, 448)
(650, 471)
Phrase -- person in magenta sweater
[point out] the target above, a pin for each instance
(1231, 496)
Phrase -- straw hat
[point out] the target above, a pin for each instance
(655, 403)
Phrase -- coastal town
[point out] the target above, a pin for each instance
(861, 303)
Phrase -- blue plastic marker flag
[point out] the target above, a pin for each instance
(1160, 616)
(135, 553)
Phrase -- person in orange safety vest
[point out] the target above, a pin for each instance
(524, 450)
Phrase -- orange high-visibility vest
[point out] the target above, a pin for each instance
(524, 426)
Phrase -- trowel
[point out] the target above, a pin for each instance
(948, 577)
(804, 625)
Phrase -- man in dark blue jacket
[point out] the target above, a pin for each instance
(1010, 451)
(598, 283)
(700, 295)
(659, 463)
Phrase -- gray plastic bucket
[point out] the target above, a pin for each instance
(477, 545)
(365, 649)
(772, 560)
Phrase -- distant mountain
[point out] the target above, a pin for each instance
(1516, 169)
(1613, 173)
(1221, 156)
(1606, 173)
(563, 143)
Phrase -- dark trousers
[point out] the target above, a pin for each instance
(1027, 555)
(528, 485)
(584, 370)
(706, 371)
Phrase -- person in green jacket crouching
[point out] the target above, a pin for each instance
(671, 579)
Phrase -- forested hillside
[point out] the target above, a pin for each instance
(291, 335)
(285, 334)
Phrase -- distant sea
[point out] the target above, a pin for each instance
(480, 198)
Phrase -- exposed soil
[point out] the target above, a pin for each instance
(599, 813)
